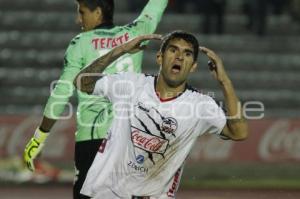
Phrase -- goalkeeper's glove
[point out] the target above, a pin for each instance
(33, 148)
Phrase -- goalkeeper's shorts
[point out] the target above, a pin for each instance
(85, 152)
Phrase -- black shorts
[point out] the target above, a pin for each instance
(85, 152)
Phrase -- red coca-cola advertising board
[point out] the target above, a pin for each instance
(15, 132)
(270, 140)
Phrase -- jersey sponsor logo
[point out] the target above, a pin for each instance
(109, 42)
(149, 143)
(138, 168)
(151, 131)
(140, 159)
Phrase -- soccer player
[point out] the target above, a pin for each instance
(157, 118)
(94, 113)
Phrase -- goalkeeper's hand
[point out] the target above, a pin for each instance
(33, 148)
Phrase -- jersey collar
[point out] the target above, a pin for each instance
(166, 99)
(105, 25)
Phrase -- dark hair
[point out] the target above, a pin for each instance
(107, 7)
(179, 34)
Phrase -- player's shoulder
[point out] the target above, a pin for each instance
(129, 76)
(75, 40)
(97, 32)
(106, 32)
(114, 31)
(74, 47)
(194, 92)
(87, 36)
(139, 79)
(130, 25)
(198, 95)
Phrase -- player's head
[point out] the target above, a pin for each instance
(177, 57)
(92, 13)
(179, 34)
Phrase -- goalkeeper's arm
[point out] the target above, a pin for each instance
(57, 101)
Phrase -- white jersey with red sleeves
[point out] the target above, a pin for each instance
(149, 139)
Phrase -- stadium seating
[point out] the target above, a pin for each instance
(35, 34)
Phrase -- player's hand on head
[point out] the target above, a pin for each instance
(33, 148)
(137, 43)
(215, 64)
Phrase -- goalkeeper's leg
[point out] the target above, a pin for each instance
(85, 152)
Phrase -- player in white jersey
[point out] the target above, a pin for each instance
(157, 119)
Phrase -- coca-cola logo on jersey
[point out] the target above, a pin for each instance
(280, 141)
(150, 143)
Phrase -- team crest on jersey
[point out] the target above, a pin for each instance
(169, 125)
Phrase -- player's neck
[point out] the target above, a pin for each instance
(165, 91)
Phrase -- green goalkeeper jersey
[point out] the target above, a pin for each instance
(94, 113)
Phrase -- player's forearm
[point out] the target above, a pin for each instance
(151, 15)
(87, 78)
(47, 124)
(236, 122)
(155, 8)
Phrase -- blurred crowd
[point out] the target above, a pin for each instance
(213, 11)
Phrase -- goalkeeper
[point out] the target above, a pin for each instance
(94, 114)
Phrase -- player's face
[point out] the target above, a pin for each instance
(176, 62)
(88, 19)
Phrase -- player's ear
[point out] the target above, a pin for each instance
(194, 67)
(99, 14)
(159, 58)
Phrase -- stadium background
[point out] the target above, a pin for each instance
(33, 37)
